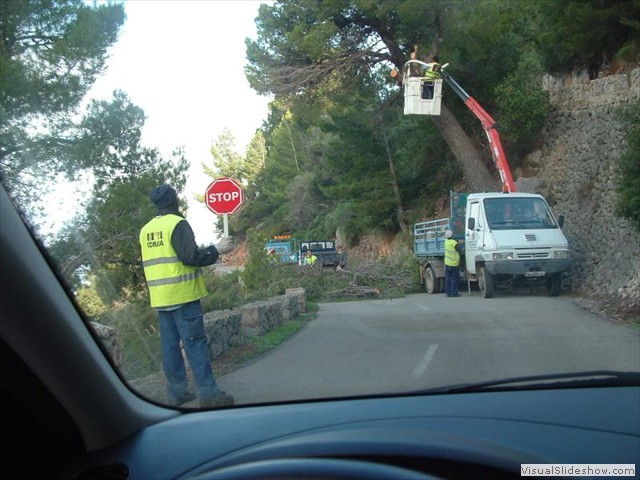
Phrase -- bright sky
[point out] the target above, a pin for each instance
(182, 62)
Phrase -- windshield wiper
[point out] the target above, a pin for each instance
(595, 378)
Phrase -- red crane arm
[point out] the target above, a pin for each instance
(495, 145)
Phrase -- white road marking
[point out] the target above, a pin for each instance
(426, 309)
(421, 367)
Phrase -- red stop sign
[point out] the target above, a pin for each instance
(223, 195)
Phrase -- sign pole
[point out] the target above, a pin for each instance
(225, 221)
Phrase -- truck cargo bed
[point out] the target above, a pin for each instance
(428, 238)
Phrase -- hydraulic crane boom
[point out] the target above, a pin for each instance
(488, 124)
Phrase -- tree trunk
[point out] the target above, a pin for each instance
(477, 176)
(394, 181)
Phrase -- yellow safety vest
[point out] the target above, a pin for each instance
(170, 281)
(433, 71)
(451, 255)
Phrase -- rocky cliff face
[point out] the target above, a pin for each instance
(576, 170)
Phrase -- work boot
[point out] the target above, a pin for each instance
(220, 399)
(184, 398)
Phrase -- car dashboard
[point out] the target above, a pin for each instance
(471, 435)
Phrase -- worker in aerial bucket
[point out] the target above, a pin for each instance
(432, 73)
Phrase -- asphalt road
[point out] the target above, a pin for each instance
(423, 341)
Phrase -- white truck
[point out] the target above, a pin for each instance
(508, 237)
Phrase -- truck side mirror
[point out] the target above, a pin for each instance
(561, 221)
(471, 223)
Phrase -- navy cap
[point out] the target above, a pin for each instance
(164, 196)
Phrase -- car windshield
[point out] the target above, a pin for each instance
(518, 213)
(155, 148)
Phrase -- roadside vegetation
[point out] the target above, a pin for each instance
(336, 157)
(136, 322)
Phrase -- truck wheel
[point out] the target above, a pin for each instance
(554, 285)
(441, 285)
(431, 281)
(485, 282)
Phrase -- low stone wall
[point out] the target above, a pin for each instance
(223, 331)
(229, 328)
(109, 338)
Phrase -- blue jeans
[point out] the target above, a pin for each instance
(451, 280)
(186, 324)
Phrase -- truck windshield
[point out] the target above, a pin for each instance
(518, 213)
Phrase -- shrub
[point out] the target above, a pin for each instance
(225, 291)
(523, 105)
(256, 274)
(138, 336)
(628, 205)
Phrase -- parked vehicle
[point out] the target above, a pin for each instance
(325, 250)
(508, 236)
(284, 247)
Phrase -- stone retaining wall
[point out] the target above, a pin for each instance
(576, 170)
(109, 338)
(229, 328)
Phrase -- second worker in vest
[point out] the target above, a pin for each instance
(431, 74)
(452, 252)
(172, 266)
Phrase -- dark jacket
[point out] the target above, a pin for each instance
(184, 243)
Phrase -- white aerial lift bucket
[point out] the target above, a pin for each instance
(422, 96)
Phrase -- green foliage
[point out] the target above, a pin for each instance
(52, 52)
(628, 185)
(227, 162)
(393, 275)
(347, 220)
(336, 118)
(588, 34)
(275, 337)
(108, 141)
(307, 45)
(283, 156)
(255, 158)
(522, 104)
(50, 55)
(138, 336)
(104, 237)
(256, 274)
(304, 203)
(90, 302)
(225, 291)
